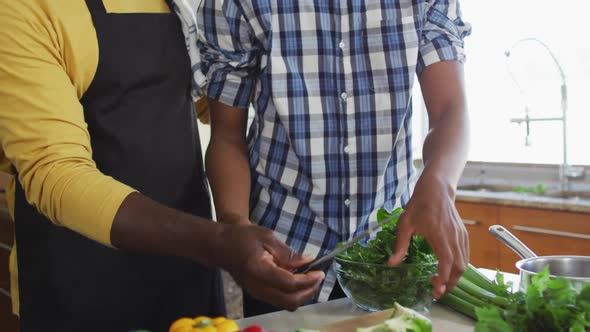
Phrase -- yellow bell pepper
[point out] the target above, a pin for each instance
(204, 324)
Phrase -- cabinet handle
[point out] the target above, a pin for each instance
(4, 292)
(550, 232)
(470, 222)
(5, 246)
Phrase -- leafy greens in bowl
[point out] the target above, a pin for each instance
(366, 279)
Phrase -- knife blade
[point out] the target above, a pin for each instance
(324, 261)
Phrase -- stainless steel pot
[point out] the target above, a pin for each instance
(574, 268)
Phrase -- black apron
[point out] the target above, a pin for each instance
(143, 133)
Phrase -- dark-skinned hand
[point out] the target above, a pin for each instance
(431, 213)
(261, 264)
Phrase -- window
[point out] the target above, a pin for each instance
(494, 98)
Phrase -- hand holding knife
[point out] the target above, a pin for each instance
(324, 261)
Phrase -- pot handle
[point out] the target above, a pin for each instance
(511, 241)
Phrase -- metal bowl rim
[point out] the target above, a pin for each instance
(526, 260)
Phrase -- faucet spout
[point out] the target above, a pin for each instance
(565, 173)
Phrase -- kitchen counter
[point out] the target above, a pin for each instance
(493, 183)
(316, 315)
(524, 200)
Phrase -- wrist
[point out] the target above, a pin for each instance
(205, 243)
(434, 180)
(233, 218)
(216, 243)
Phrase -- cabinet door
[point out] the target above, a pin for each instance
(4, 179)
(545, 232)
(6, 241)
(483, 246)
(8, 321)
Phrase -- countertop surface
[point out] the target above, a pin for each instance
(316, 315)
(524, 200)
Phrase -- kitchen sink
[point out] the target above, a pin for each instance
(486, 188)
(569, 194)
(574, 195)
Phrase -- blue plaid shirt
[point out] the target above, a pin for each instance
(330, 83)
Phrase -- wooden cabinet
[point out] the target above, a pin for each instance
(8, 321)
(545, 232)
(483, 247)
(3, 184)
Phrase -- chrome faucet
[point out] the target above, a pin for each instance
(566, 172)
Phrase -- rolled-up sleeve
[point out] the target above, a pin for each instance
(230, 53)
(443, 34)
(43, 132)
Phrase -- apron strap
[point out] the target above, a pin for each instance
(96, 6)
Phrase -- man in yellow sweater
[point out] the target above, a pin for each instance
(110, 201)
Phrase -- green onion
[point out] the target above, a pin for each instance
(458, 304)
(481, 293)
(476, 277)
(457, 291)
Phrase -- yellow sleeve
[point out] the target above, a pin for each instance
(42, 127)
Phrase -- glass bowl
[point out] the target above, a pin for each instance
(375, 287)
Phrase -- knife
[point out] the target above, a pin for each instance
(324, 261)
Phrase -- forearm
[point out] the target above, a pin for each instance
(227, 166)
(143, 225)
(446, 145)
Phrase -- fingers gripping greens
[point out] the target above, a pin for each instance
(378, 250)
(377, 286)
